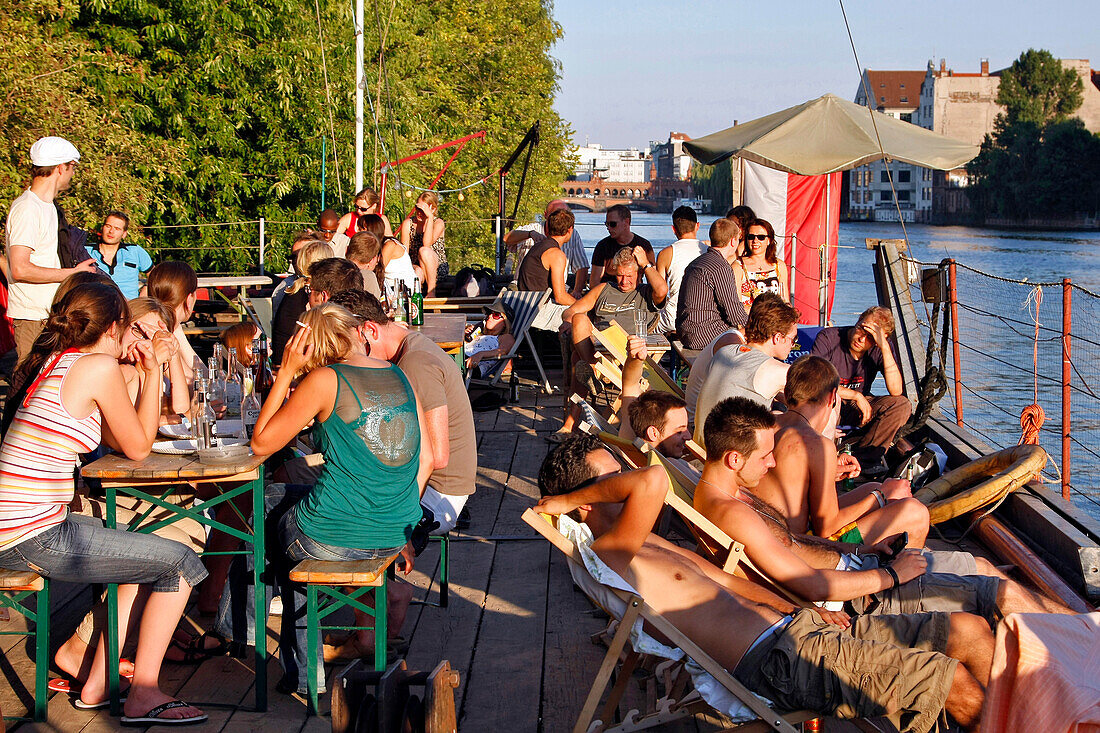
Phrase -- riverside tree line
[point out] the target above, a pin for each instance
(202, 111)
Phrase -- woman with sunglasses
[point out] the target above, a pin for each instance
(760, 270)
(76, 397)
(422, 233)
(366, 202)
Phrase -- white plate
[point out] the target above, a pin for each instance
(186, 447)
(180, 431)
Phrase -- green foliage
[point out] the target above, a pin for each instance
(42, 71)
(206, 111)
(1038, 162)
(714, 182)
(1038, 89)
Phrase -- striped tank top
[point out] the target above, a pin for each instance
(39, 454)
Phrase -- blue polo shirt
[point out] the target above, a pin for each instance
(130, 261)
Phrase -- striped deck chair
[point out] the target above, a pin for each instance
(714, 544)
(524, 305)
(609, 592)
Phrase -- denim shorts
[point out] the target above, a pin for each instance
(81, 549)
(300, 547)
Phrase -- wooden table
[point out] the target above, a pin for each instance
(448, 332)
(169, 472)
(232, 281)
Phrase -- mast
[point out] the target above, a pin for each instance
(360, 80)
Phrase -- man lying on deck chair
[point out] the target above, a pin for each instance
(903, 667)
(740, 436)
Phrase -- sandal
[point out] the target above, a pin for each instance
(153, 716)
(69, 686)
(197, 652)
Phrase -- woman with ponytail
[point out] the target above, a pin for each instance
(75, 397)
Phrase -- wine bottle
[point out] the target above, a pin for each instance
(234, 386)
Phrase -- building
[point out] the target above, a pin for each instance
(670, 162)
(956, 104)
(895, 93)
(596, 161)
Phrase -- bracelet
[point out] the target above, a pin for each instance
(893, 574)
(879, 497)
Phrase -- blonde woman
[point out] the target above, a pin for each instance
(422, 233)
(370, 430)
(295, 299)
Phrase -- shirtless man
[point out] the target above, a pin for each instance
(738, 432)
(802, 486)
(658, 418)
(903, 667)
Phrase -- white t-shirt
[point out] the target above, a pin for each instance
(684, 252)
(32, 223)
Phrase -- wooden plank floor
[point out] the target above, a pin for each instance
(516, 630)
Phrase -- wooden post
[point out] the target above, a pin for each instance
(263, 243)
(1067, 327)
(954, 297)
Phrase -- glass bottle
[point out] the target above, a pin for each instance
(416, 305)
(234, 387)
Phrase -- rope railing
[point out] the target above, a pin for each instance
(997, 323)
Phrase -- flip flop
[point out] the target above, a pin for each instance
(67, 685)
(153, 716)
(81, 705)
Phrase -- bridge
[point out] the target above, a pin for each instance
(597, 195)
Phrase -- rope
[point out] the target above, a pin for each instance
(1032, 417)
(933, 385)
(328, 99)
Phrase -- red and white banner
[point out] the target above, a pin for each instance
(804, 210)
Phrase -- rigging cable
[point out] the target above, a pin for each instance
(328, 98)
(384, 75)
(1032, 417)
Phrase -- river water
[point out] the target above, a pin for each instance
(996, 324)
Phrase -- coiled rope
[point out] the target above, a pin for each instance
(1032, 417)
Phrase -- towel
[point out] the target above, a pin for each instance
(1045, 675)
(595, 580)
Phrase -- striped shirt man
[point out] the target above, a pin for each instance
(708, 303)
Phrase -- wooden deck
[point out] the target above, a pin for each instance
(516, 630)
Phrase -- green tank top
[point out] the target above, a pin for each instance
(367, 496)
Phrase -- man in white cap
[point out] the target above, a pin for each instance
(34, 264)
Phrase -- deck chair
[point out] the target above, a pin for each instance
(590, 415)
(620, 601)
(524, 305)
(714, 544)
(631, 452)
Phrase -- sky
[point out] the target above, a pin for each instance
(634, 71)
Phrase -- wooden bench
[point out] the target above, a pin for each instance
(15, 587)
(458, 305)
(330, 579)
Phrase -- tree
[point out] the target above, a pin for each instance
(212, 111)
(714, 182)
(1038, 162)
(1038, 89)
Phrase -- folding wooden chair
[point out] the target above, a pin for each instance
(669, 707)
(524, 306)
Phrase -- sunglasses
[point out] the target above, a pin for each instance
(328, 231)
(611, 224)
(756, 237)
(362, 209)
(138, 331)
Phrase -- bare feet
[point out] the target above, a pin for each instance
(74, 658)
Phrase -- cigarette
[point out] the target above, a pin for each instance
(301, 324)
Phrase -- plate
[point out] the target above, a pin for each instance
(182, 431)
(178, 431)
(187, 447)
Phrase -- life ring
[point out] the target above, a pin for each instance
(999, 474)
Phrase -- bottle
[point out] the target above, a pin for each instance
(215, 386)
(406, 298)
(263, 378)
(250, 414)
(399, 314)
(203, 422)
(234, 386)
(416, 305)
(848, 483)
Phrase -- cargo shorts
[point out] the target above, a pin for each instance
(931, 592)
(891, 666)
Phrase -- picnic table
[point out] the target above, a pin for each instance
(153, 480)
(448, 332)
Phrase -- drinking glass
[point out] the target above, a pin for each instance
(641, 323)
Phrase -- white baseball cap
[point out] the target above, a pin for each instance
(53, 151)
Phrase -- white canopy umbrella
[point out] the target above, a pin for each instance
(829, 134)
